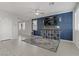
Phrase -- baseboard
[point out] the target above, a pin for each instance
(4, 40)
(62, 40)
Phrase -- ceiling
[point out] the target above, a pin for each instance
(26, 9)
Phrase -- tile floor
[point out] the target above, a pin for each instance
(16, 47)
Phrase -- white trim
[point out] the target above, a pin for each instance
(62, 40)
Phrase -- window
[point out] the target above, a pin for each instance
(34, 24)
(22, 26)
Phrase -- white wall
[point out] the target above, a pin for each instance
(76, 25)
(28, 28)
(8, 26)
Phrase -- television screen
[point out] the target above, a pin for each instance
(50, 21)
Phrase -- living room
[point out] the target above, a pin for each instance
(39, 28)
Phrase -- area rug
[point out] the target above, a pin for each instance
(49, 44)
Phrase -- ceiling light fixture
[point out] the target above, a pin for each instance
(37, 12)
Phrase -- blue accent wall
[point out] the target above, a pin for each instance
(65, 25)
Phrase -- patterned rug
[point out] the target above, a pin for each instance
(49, 44)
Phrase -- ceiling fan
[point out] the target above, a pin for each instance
(38, 12)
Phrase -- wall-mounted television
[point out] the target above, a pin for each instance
(51, 21)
